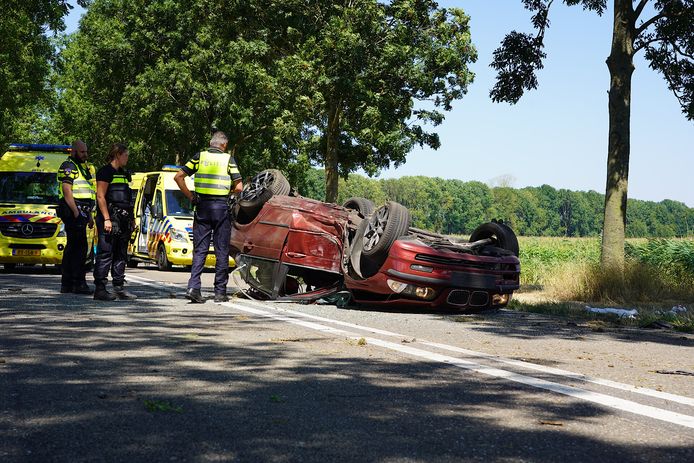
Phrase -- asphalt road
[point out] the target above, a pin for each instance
(160, 379)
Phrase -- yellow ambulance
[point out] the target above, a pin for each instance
(163, 222)
(30, 231)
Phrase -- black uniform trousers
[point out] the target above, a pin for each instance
(111, 254)
(211, 218)
(73, 266)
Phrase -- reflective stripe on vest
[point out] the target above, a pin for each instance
(81, 187)
(118, 192)
(92, 172)
(212, 177)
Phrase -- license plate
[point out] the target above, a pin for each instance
(26, 252)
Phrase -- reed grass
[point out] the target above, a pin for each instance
(658, 275)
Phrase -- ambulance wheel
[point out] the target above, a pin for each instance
(132, 263)
(163, 263)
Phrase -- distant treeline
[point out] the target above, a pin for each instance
(457, 207)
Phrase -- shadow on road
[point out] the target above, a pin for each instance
(162, 380)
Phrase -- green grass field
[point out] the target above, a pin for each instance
(565, 274)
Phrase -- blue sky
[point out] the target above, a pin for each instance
(557, 134)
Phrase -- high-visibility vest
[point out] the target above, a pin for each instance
(92, 173)
(83, 186)
(213, 174)
(118, 192)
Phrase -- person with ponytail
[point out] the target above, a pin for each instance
(114, 222)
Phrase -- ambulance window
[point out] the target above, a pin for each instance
(28, 187)
(157, 207)
(177, 204)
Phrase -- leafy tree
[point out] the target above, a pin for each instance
(312, 184)
(361, 65)
(531, 219)
(667, 40)
(596, 206)
(470, 205)
(26, 53)
(548, 199)
(505, 205)
(415, 195)
(456, 207)
(162, 75)
(359, 186)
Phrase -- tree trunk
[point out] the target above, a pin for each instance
(621, 66)
(331, 158)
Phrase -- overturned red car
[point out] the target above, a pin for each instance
(294, 248)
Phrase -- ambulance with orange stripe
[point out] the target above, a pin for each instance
(163, 221)
(30, 231)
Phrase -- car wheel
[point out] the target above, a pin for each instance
(132, 263)
(262, 187)
(363, 205)
(163, 263)
(382, 228)
(360, 266)
(501, 233)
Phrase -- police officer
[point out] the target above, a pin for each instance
(77, 197)
(114, 222)
(215, 173)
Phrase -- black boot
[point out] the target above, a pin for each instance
(83, 288)
(195, 295)
(102, 294)
(221, 297)
(121, 293)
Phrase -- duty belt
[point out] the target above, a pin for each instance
(85, 209)
(122, 212)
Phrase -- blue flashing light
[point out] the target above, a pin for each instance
(39, 147)
(170, 168)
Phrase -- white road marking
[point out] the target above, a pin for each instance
(518, 363)
(589, 396)
(599, 398)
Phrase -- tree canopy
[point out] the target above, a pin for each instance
(163, 75)
(345, 84)
(26, 54)
(663, 30)
(372, 75)
(457, 207)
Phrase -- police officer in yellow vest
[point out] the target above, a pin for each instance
(77, 197)
(216, 176)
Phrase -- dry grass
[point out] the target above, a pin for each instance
(641, 287)
(640, 283)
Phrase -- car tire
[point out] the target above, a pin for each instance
(360, 266)
(388, 223)
(263, 186)
(501, 233)
(163, 263)
(362, 205)
(132, 263)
